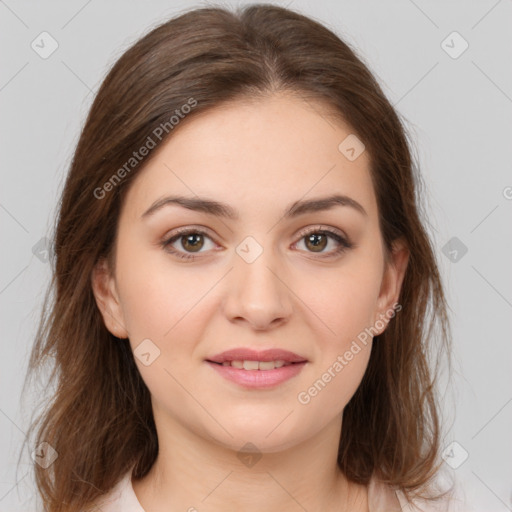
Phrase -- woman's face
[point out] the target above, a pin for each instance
(267, 277)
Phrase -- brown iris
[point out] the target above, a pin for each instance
(318, 241)
(192, 242)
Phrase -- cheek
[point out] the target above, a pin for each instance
(157, 297)
(341, 308)
(148, 311)
(331, 390)
(162, 315)
(342, 302)
(340, 361)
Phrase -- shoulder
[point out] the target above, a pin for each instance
(384, 498)
(121, 498)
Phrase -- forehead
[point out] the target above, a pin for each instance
(259, 154)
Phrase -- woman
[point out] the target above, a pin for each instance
(245, 294)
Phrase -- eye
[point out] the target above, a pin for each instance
(192, 239)
(317, 239)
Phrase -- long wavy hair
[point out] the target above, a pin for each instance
(96, 412)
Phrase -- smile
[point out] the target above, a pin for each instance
(256, 365)
(257, 374)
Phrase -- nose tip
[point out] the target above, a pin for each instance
(256, 294)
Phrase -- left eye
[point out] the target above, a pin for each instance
(316, 240)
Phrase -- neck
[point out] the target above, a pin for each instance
(193, 473)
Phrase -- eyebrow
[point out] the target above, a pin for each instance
(211, 207)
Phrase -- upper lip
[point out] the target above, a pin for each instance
(247, 354)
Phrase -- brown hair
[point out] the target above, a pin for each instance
(100, 419)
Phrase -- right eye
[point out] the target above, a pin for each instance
(191, 239)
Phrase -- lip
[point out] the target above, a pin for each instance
(260, 379)
(257, 379)
(247, 354)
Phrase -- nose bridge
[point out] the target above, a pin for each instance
(256, 291)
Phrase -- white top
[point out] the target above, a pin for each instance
(381, 498)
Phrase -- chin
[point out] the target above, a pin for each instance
(256, 445)
(261, 437)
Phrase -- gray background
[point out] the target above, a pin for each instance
(458, 111)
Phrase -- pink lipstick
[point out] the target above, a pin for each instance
(257, 369)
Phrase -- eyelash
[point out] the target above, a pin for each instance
(345, 244)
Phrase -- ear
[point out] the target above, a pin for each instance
(107, 299)
(394, 273)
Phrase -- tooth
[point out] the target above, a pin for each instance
(256, 365)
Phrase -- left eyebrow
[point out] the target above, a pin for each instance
(211, 207)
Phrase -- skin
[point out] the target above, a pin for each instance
(258, 157)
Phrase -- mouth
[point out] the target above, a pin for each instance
(256, 365)
(250, 359)
(257, 369)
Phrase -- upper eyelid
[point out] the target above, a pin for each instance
(206, 231)
(322, 227)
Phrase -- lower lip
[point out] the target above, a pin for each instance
(258, 378)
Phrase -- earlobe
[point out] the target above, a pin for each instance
(107, 299)
(392, 281)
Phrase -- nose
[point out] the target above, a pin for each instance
(257, 294)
